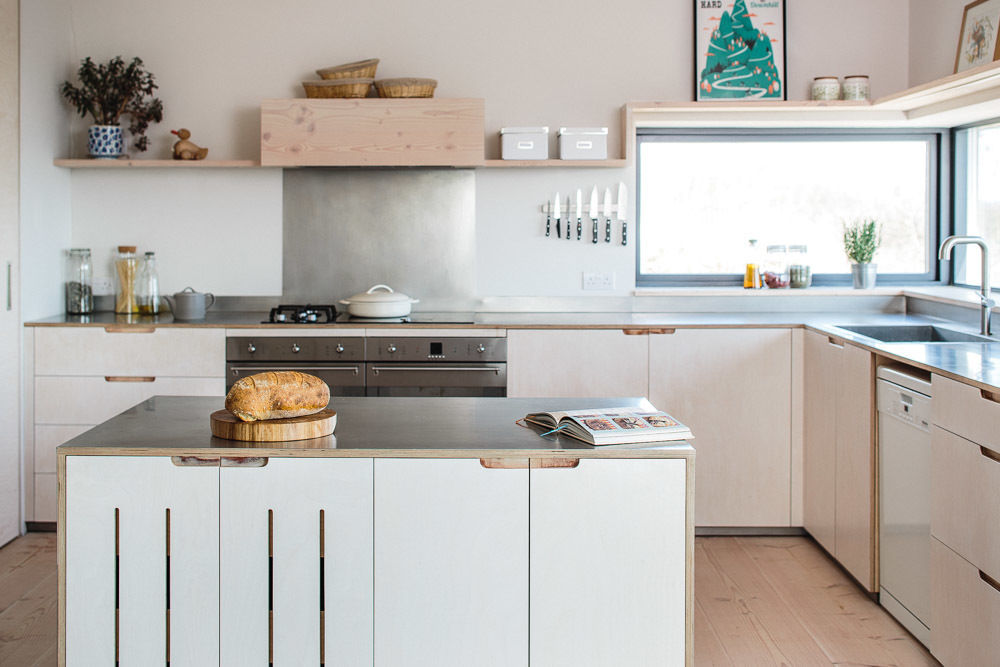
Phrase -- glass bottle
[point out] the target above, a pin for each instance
(148, 288)
(79, 282)
(751, 278)
(125, 269)
(799, 272)
(776, 267)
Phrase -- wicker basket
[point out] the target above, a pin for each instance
(407, 87)
(338, 88)
(358, 70)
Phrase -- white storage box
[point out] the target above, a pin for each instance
(524, 143)
(583, 143)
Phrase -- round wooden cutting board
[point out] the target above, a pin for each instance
(226, 425)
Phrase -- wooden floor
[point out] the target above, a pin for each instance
(758, 601)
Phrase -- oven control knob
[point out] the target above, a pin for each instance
(480, 348)
(390, 348)
(339, 349)
(295, 348)
(251, 348)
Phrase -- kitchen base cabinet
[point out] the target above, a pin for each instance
(732, 387)
(965, 611)
(838, 453)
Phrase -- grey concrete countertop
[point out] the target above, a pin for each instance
(412, 427)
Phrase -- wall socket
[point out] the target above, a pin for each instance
(598, 281)
(103, 286)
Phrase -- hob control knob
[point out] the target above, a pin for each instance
(390, 348)
(339, 349)
(480, 348)
(295, 348)
(251, 348)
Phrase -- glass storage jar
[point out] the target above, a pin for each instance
(125, 269)
(148, 287)
(799, 272)
(79, 282)
(775, 270)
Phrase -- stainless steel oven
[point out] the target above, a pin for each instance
(379, 366)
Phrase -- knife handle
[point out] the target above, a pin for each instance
(548, 224)
(579, 229)
(624, 233)
(558, 229)
(595, 230)
(607, 231)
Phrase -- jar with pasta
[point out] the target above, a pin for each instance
(126, 264)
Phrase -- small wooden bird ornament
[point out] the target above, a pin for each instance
(187, 150)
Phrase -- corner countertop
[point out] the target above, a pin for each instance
(368, 427)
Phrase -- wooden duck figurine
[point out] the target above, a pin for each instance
(187, 150)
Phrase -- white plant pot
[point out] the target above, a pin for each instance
(105, 141)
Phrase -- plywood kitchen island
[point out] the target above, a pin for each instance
(423, 532)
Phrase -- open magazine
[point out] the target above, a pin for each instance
(613, 426)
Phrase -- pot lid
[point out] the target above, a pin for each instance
(380, 294)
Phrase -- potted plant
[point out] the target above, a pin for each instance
(108, 92)
(861, 240)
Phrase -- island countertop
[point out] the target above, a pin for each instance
(368, 427)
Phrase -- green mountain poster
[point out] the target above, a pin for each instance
(739, 49)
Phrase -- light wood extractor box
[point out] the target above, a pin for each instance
(372, 132)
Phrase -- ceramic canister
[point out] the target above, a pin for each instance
(856, 87)
(826, 88)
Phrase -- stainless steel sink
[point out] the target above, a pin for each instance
(916, 333)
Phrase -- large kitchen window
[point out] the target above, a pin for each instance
(702, 196)
(977, 199)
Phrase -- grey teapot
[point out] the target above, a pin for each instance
(190, 305)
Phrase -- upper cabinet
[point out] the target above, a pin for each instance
(419, 132)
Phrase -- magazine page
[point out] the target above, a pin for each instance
(624, 420)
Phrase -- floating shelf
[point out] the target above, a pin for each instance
(610, 163)
(89, 163)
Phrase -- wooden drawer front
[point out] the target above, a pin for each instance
(965, 506)
(963, 409)
(965, 611)
(91, 400)
(50, 436)
(161, 352)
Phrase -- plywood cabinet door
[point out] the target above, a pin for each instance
(296, 562)
(576, 362)
(451, 564)
(608, 548)
(855, 465)
(142, 562)
(822, 372)
(733, 388)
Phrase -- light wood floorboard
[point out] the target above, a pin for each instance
(758, 601)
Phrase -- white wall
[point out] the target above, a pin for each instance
(934, 32)
(535, 63)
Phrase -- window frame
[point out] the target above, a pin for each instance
(940, 158)
(960, 210)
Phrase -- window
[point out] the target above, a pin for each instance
(703, 195)
(977, 199)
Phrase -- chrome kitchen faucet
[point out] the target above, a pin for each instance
(984, 290)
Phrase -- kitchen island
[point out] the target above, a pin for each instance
(423, 532)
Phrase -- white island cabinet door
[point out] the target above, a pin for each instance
(608, 547)
(142, 543)
(296, 561)
(451, 564)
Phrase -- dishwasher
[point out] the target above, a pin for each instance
(904, 446)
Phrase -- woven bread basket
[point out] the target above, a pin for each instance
(338, 88)
(356, 70)
(406, 87)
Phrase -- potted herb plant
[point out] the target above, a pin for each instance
(108, 92)
(861, 240)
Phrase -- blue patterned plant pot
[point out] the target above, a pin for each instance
(105, 141)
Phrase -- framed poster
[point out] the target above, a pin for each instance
(977, 42)
(739, 49)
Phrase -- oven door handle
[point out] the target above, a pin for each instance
(446, 369)
(323, 369)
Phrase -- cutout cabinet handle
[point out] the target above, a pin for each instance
(194, 461)
(129, 378)
(521, 463)
(129, 329)
(243, 461)
(989, 453)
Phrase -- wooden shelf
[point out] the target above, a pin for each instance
(610, 163)
(89, 163)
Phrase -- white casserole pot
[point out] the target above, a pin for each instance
(379, 301)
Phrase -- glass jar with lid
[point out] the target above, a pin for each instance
(79, 282)
(126, 264)
(799, 271)
(147, 292)
(775, 269)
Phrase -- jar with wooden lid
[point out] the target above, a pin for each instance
(126, 264)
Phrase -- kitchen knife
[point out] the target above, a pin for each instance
(623, 211)
(548, 218)
(607, 215)
(593, 210)
(557, 216)
(579, 213)
(569, 217)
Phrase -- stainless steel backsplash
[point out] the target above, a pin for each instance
(348, 229)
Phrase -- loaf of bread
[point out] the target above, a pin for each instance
(277, 395)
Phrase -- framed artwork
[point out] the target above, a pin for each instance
(977, 43)
(739, 49)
